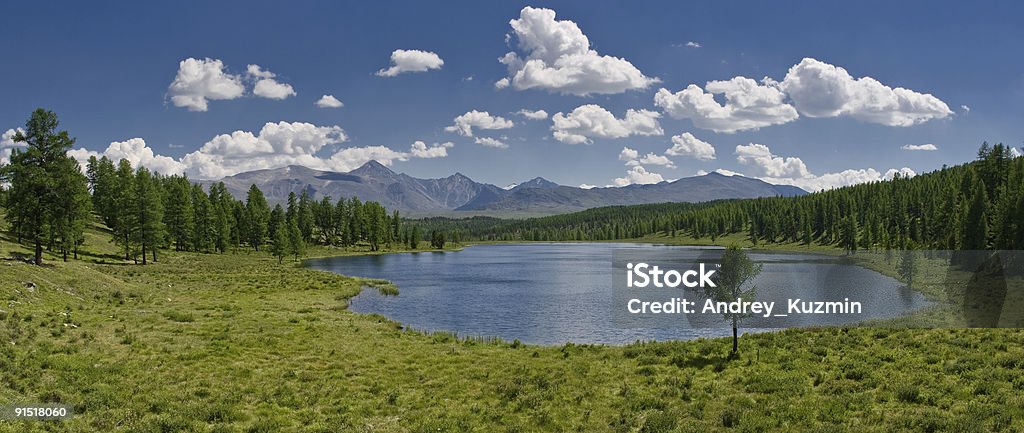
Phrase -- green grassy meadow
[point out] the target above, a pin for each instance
(240, 343)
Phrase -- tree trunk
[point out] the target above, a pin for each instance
(735, 337)
(154, 255)
(144, 253)
(39, 252)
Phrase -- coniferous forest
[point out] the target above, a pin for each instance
(974, 206)
(49, 202)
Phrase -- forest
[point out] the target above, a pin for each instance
(49, 202)
(975, 206)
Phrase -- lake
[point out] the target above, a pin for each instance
(553, 293)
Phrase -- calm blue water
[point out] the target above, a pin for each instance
(554, 293)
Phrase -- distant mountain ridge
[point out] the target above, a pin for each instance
(373, 181)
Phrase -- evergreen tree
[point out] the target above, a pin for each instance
(848, 235)
(292, 209)
(277, 221)
(178, 214)
(730, 281)
(221, 203)
(414, 238)
(72, 207)
(907, 267)
(279, 246)
(377, 229)
(356, 221)
(257, 217)
(975, 226)
(125, 215)
(396, 222)
(150, 211)
(204, 224)
(296, 243)
(38, 175)
(437, 239)
(102, 177)
(305, 215)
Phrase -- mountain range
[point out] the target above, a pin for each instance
(460, 194)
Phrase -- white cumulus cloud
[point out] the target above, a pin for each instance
(266, 84)
(761, 157)
(136, 152)
(490, 142)
(811, 88)
(329, 101)
(200, 80)
(557, 57)
(776, 169)
(275, 145)
(819, 89)
(628, 154)
(638, 175)
(533, 114)
(686, 144)
(420, 149)
(748, 105)
(927, 147)
(593, 121)
(632, 157)
(411, 61)
(464, 123)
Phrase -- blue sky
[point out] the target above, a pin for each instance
(107, 70)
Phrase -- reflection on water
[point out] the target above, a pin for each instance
(557, 293)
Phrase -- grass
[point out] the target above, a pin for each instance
(238, 342)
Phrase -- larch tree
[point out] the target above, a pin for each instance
(38, 176)
(258, 216)
(149, 209)
(731, 282)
